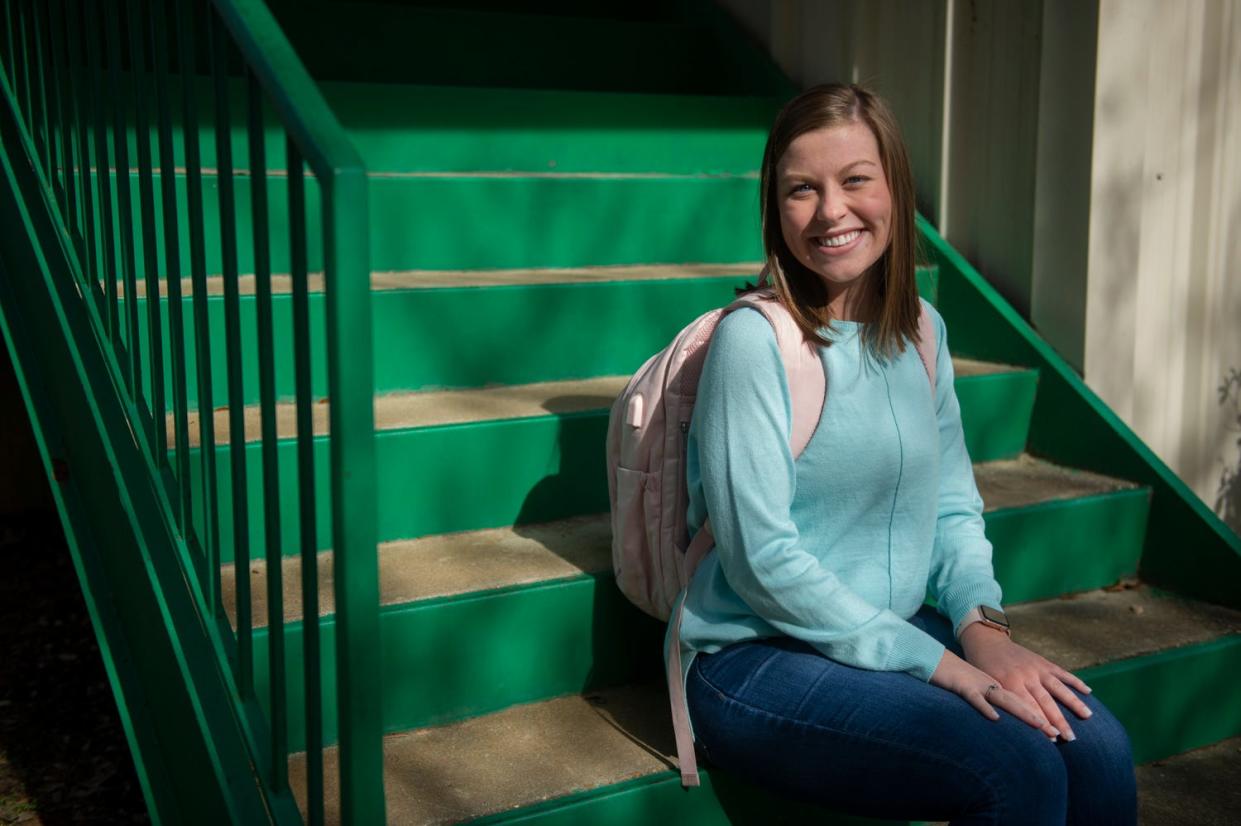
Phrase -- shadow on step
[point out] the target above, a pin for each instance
(626, 645)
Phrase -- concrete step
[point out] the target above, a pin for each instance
(591, 750)
(1197, 788)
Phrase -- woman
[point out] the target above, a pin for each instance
(813, 666)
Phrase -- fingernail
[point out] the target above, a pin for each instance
(1088, 714)
(1070, 736)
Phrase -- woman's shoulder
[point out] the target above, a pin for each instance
(743, 333)
(745, 325)
(744, 345)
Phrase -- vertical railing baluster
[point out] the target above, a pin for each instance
(124, 204)
(60, 69)
(271, 465)
(306, 486)
(10, 51)
(271, 448)
(80, 94)
(198, 276)
(150, 256)
(21, 78)
(232, 337)
(158, 33)
(107, 270)
(42, 92)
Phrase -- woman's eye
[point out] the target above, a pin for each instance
(856, 180)
(800, 188)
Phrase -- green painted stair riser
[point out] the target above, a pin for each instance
(440, 129)
(443, 660)
(517, 335)
(1059, 547)
(505, 221)
(399, 44)
(419, 342)
(450, 478)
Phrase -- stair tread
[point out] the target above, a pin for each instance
(583, 742)
(967, 368)
(513, 758)
(1012, 483)
(1197, 788)
(1083, 630)
(396, 411)
(474, 561)
(282, 284)
(448, 564)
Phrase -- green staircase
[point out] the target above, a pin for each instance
(554, 191)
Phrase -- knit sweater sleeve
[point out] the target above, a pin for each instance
(961, 575)
(742, 420)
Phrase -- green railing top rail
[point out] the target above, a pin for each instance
(303, 111)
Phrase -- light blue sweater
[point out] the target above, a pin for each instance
(842, 546)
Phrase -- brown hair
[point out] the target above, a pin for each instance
(890, 293)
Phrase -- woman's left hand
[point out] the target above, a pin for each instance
(1023, 672)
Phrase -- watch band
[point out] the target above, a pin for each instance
(991, 617)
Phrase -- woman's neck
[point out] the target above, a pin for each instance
(846, 302)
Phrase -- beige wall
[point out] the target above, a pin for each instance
(1086, 156)
(1163, 326)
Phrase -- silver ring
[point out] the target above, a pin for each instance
(986, 694)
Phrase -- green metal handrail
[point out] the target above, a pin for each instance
(85, 97)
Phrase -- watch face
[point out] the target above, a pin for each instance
(992, 615)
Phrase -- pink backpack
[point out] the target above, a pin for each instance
(652, 555)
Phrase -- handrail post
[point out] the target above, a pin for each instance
(356, 563)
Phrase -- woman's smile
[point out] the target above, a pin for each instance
(837, 243)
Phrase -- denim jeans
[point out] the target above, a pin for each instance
(888, 745)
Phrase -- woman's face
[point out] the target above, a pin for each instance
(835, 206)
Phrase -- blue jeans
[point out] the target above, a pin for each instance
(888, 745)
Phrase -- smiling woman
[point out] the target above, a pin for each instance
(835, 165)
(835, 209)
(810, 662)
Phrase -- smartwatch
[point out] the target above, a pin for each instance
(988, 616)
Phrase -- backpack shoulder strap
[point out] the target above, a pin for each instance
(927, 346)
(802, 366)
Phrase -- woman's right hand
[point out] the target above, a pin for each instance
(972, 684)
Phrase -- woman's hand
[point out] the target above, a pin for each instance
(1021, 671)
(985, 693)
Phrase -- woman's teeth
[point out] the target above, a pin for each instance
(839, 240)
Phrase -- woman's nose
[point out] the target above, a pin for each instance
(832, 207)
